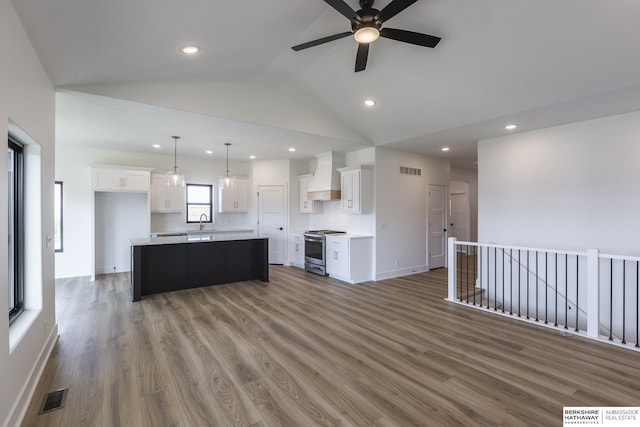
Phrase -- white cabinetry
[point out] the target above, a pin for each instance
(235, 198)
(356, 189)
(164, 198)
(306, 205)
(115, 179)
(349, 258)
(296, 249)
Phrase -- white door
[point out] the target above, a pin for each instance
(460, 223)
(437, 228)
(271, 220)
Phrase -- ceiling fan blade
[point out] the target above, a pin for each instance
(342, 7)
(321, 41)
(361, 56)
(410, 37)
(393, 8)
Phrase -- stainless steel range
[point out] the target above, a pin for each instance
(315, 260)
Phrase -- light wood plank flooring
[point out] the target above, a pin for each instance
(305, 350)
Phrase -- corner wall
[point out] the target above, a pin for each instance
(401, 210)
(571, 187)
(28, 101)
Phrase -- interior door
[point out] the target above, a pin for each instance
(460, 216)
(437, 228)
(271, 220)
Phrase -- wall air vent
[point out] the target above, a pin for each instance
(410, 171)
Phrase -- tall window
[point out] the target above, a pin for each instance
(15, 167)
(57, 217)
(199, 202)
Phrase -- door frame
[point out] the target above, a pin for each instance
(285, 220)
(446, 222)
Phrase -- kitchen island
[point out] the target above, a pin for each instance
(164, 264)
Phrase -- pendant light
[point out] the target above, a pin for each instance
(174, 177)
(227, 180)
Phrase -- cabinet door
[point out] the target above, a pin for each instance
(355, 192)
(306, 205)
(174, 199)
(337, 253)
(107, 179)
(135, 180)
(346, 191)
(241, 195)
(351, 184)
(158, 193)
(225, 198)
(298, 250)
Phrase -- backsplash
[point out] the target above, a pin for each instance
(332, 218)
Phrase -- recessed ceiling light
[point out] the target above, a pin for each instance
(157, 146)
(445, 148)
(190, 50)
(292, 149)
(252, 156)
(209, 152)
(369, 102)
(511, 126)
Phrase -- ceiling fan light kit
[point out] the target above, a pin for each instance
(366, 28)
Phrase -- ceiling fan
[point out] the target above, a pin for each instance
(366, 26)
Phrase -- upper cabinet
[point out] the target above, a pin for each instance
(165, 199)
(306, 205)
(117, 179)
(356, 188)
(235, 198)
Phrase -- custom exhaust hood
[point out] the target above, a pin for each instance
(325, 184)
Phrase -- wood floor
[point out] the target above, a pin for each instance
(305, 350)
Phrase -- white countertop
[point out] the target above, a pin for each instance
(217, 230)
(351, 236)
(191, 238)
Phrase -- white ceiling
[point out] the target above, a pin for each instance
(536, 63)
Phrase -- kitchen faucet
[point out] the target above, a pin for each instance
(205, 218)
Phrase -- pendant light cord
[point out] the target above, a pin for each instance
(228, 144)
(175, 154)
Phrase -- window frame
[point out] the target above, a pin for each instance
(17, 218)
(210, 204)
(61, 248)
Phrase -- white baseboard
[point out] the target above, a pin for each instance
(22, 403)
(110, 269)
(390, 274)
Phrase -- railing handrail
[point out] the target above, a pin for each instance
(522, 248)
(620, 257)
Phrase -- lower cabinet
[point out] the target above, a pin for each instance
(349, 258)
(296, 250)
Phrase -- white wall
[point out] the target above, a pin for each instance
(119, 216)
(574, 186)
(470, 177)
(28, 101)
(73, 169)
(401, 210)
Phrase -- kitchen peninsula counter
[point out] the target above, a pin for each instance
(164, 264)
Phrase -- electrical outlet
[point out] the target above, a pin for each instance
(397, 263)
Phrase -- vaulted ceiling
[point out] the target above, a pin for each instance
(123, 83)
